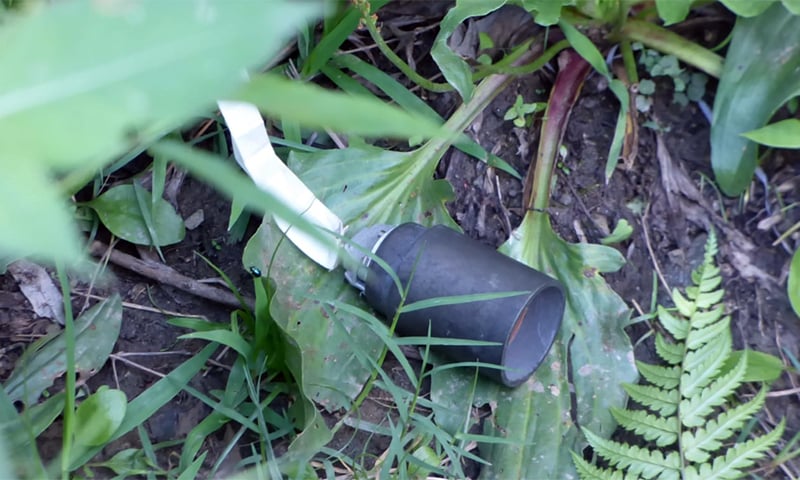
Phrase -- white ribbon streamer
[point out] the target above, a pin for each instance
(254, 153)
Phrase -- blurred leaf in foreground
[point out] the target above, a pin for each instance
(135, 71)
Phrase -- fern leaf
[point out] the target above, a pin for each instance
(664, 431)
(739, 457)
(702, 366)
(709, 438)
(685, 306)
(710, 280)
(672, 353)
(664, 402)
(677, 327)
(693, 410)
(587, 471)
(698, 337)
(664, 377)
(708, 299)
(720, 345)
(638, 461)
(706, 317)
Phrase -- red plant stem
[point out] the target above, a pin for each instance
(572, 71)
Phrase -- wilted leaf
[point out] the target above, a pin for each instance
(783, 134)
(96, 331)
(99, 416)
(121, 213)
(746, 97)
(136, 70)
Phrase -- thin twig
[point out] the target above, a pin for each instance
(145, 308)
(646, 230)
(168, 276)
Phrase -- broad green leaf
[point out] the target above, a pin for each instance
(37, 221)
(364, 186)
(454, 68)
(99, 416)
(621, 233)
(361, 115)
(585, 47)
(127, 74)
(546, 12)
(673, 11)
(783, 134)
(761, 367)
(792, 5)
(746, 97)
(18, 431)
(794, 283)
(121, 213)
(123, 80)
(96, 332)
(148, 402)
(747, 8)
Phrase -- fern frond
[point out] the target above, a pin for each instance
(636, 460)
(683, 399)
(664, 402)
(685, 306)
(587, 471)
(706, 317)
(739, 457)
(709, 279)
(704, 299)
(699, 337)
(662, 430)
(672, 353)
(677, 327)
(702, 366)
(696, 446)
(693, 410)
(664, 377)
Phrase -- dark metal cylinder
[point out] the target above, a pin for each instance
(439, 262)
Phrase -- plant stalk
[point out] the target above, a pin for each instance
(572, 71)
(671, 43)
(70, 376)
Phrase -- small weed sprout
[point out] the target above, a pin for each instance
(520, 112)
(687, 87)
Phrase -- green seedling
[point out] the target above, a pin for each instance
(520, 111)
(621, 232)
(686, 86)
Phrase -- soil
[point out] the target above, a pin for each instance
(670, 227)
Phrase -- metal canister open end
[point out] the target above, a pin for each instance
(439, 262)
